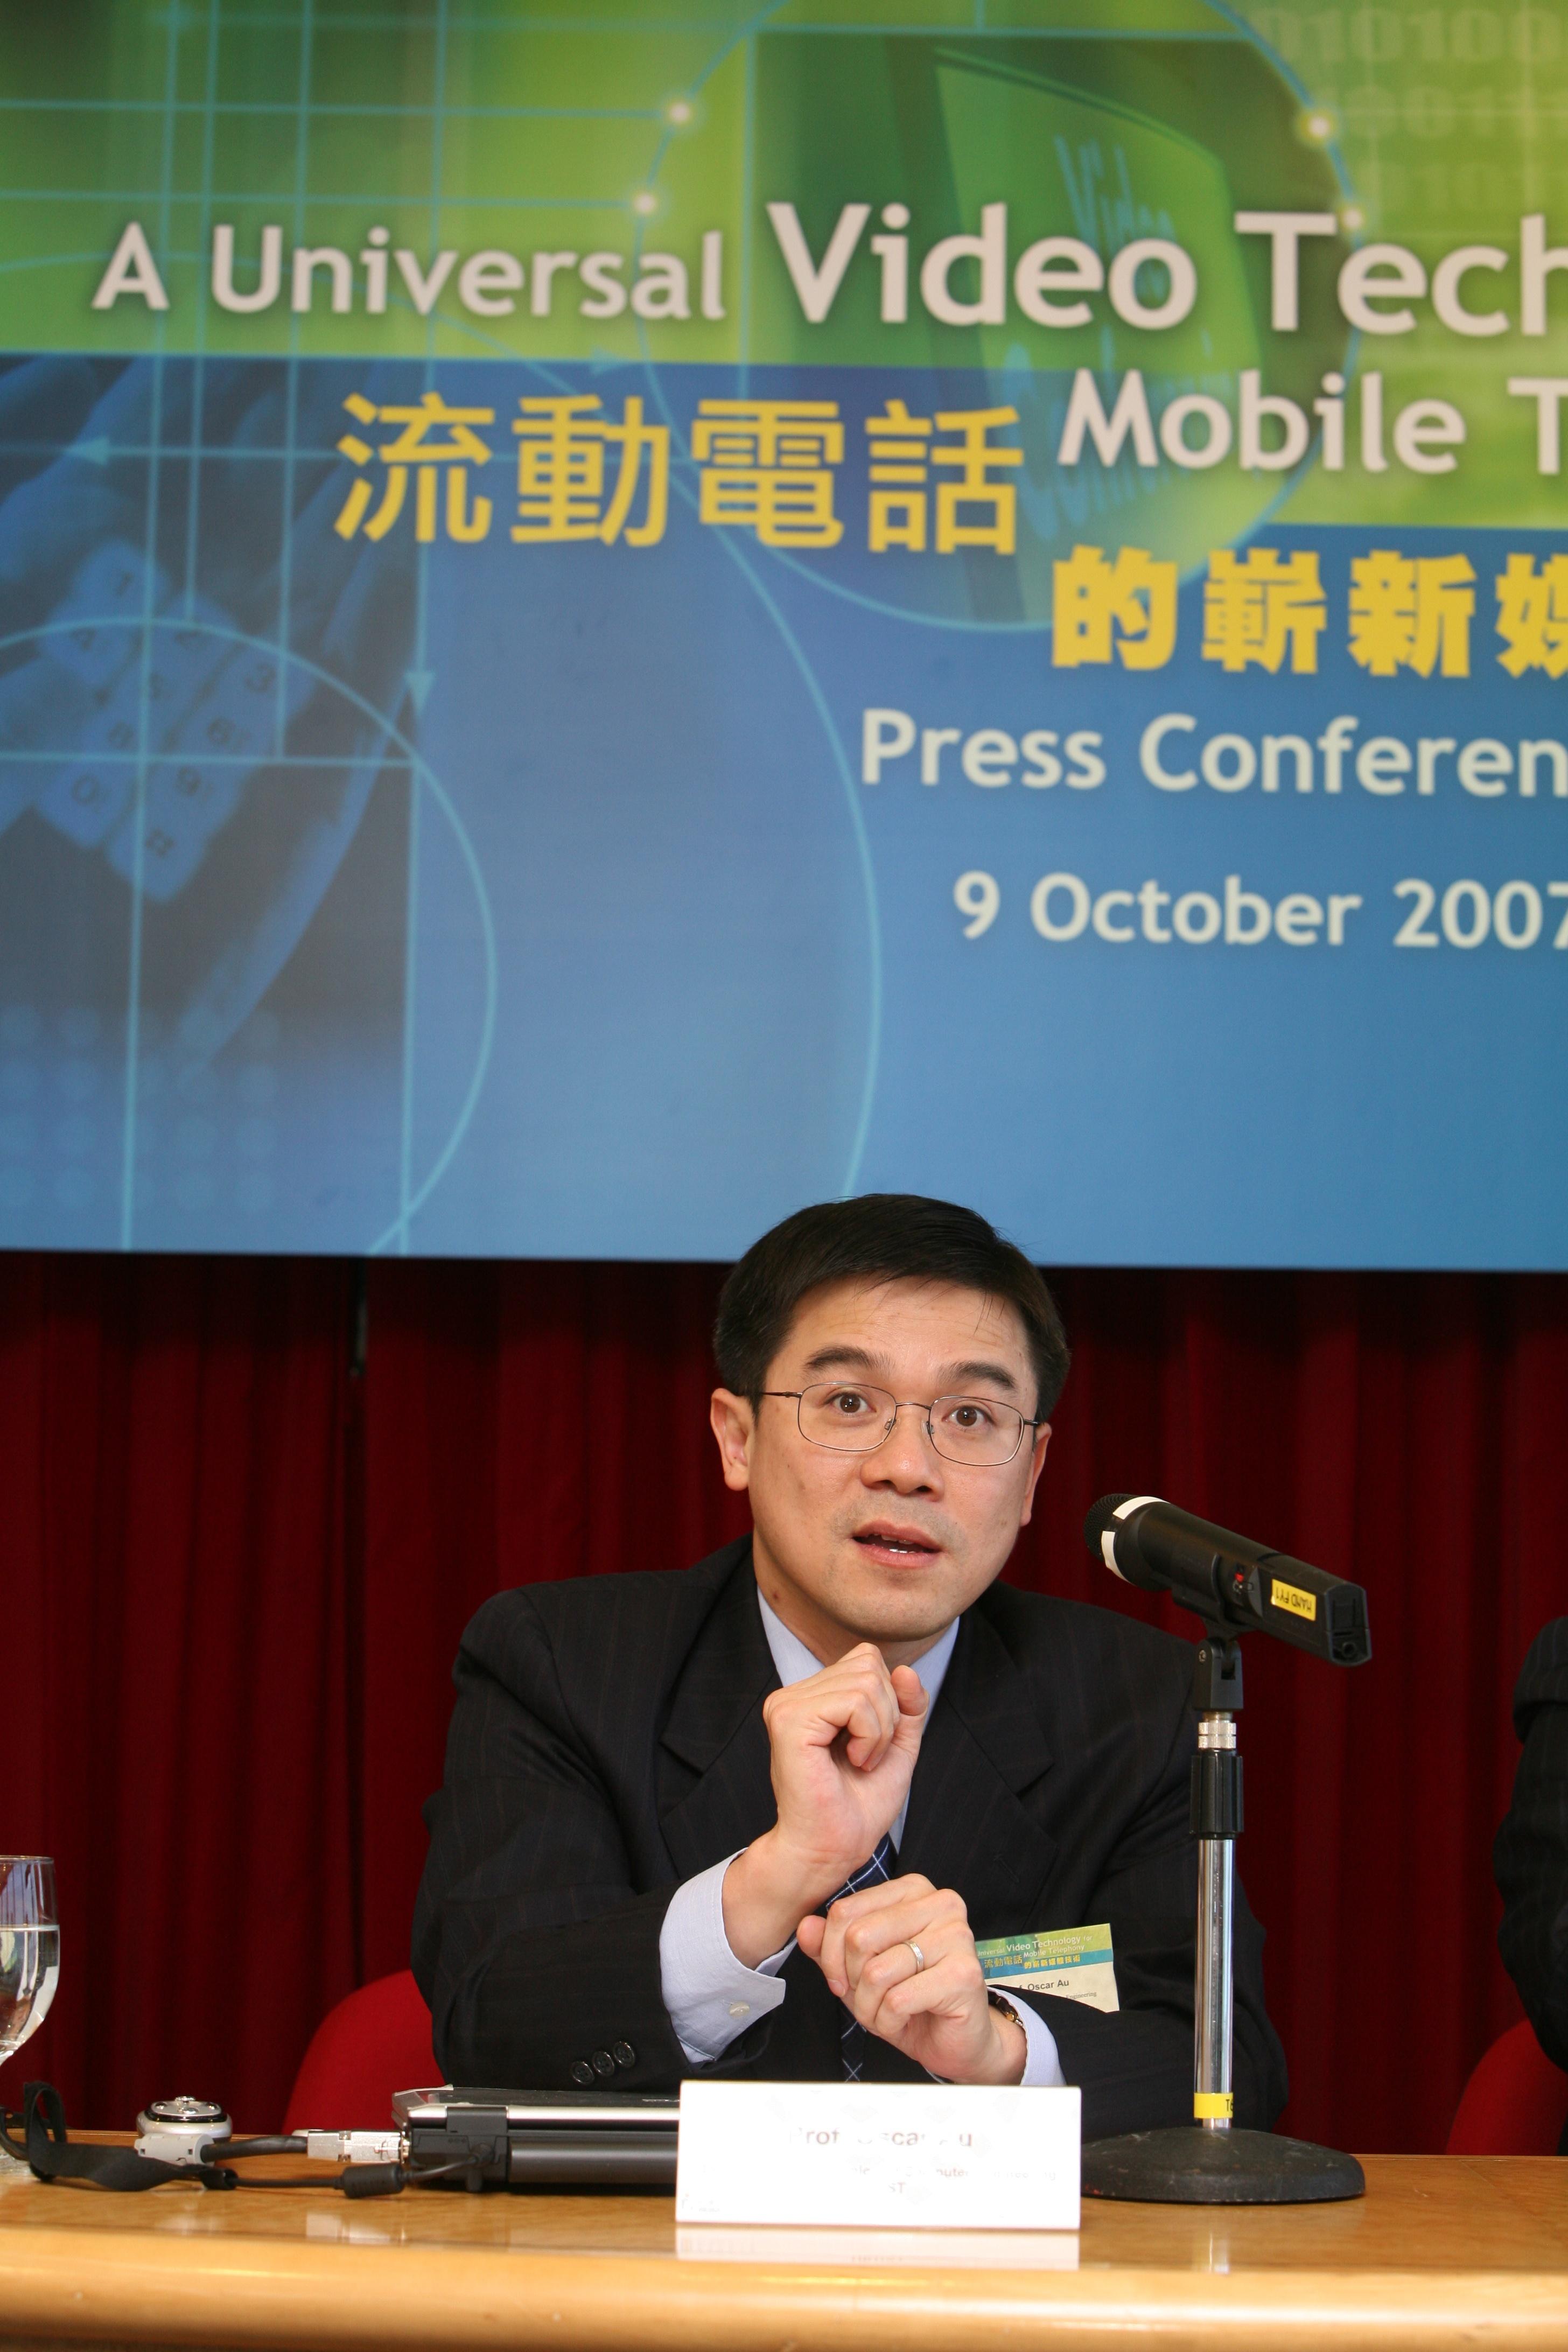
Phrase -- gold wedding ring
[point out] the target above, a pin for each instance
(920, 1956)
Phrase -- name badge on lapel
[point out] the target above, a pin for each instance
(1073, 1963)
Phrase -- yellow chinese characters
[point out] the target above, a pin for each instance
(411, 450)
(1130, 606)
(900, 477)
(564, 447)
(1533, 616)
(767, 464)
(992, 507)
(972, 511)
(1262, 605)
(1411, 612)
(941, 483)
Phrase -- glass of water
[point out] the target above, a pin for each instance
(29, 1951)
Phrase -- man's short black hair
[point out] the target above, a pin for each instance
(881, 1237)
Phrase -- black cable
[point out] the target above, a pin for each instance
(366, 2179)
(121, 2169)
(210, 2170)
(386, 2180)
(296, 2181)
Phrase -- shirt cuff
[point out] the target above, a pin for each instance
(711, 1996)
(1042, 2065)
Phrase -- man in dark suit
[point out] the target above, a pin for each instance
(752, 1818)
(1530, 1857)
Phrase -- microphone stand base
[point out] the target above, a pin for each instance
(1185, 2164)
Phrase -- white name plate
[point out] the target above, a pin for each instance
(873, 2155)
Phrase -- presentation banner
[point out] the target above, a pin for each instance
(615, 618)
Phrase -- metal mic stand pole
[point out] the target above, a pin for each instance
(1208, 2161)
(1215, 1817)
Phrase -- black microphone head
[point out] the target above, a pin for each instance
(1097, 1522)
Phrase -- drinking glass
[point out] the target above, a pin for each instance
(29, 1951)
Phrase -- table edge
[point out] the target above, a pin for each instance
(255, 2292)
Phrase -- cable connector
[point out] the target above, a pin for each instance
(373, 2180)
(355, 2147)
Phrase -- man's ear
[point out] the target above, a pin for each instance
(1036, 1464)
(735, 1420)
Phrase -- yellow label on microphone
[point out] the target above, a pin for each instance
(1291, 1597)
(1210, 2105)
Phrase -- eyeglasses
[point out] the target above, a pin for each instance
(849, 1417)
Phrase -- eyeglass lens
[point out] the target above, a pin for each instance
(847, 1417)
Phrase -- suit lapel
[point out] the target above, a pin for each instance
(715, 1792)
(984, 1746)
(966, 1828)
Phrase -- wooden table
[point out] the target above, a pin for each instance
(1443, 2251)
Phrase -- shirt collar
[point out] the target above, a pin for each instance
(794, 1662)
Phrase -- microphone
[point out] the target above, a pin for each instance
(1234, 1585)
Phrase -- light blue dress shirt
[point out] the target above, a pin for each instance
(710, 1995)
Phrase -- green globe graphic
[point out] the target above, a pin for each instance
(1164, 131)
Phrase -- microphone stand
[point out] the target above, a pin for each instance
(1209, 2161)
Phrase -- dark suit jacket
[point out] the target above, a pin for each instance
(607, 1743)
(1530, 1857)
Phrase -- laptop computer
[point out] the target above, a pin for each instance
(527, 2139)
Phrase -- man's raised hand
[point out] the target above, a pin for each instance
(844, 1744)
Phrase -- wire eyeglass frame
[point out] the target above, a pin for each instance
(993, 1405)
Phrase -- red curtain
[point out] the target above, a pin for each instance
(242, 1526)
(172, 1451)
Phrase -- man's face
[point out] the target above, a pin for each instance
(890, 1546)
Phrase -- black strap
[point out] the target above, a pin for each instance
(46, 2147)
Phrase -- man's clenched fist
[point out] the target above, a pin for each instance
(844, 1744)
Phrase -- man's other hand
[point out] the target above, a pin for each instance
(844, 1744)
(932, 2005)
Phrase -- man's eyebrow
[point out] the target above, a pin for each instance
(998, 1374)
(849, 1358)
(853, 1358)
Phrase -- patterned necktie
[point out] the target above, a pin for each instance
(852, 2033)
